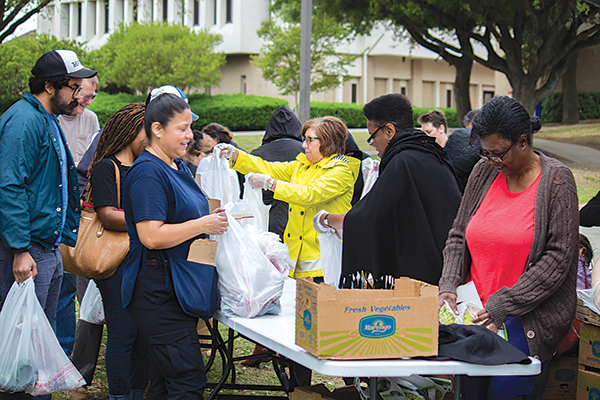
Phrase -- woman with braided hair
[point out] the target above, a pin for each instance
(122, 140)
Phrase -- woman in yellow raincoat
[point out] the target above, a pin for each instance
(321, 179)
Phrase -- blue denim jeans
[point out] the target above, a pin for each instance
(47, 287)
(65, 313)
(126, 347)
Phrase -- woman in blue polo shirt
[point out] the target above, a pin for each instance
(165, 210)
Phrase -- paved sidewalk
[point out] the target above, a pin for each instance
(571, 152)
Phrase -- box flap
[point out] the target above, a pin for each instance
(203, 251)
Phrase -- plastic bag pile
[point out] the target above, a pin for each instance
(31, 359)
(414, 387)
(252, 262)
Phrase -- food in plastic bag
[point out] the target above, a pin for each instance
(272, 247)
(414, 387)
(331, 258)
(446, 316)
(370, 170)
(220, 182)
(249, 284)
(92, 308)
(31, 359)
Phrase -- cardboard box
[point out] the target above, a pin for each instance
(588, 383)
(589, 345)
(320, 392)
(586, 315)
(562, 379)
(354, 324)
(203, 251)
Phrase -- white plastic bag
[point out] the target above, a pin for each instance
(31, 359)
(331, 257)
(92, 308)
(219, 182)
(370, 170)
(252, 203)
(249, 284)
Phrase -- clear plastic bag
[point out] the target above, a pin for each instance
(92, 308)
(31, 359)
(331, 257)
(220, 182)
(370, 170)
(252, 203)
(249, 284)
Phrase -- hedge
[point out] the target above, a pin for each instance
(589, 106)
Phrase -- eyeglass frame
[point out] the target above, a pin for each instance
(309, 139)
(372, 136)
(496, 159)
(90, 97)
(75, 90)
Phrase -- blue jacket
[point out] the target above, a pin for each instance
(30, 184)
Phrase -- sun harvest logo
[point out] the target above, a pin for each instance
(377, 326)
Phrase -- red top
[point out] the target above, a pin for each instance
(499, 236)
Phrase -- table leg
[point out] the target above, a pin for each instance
(373, 388)
(457, 383)
(229, 365)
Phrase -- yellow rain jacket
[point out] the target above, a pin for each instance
(308, 188)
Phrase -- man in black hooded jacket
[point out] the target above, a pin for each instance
(282, 142)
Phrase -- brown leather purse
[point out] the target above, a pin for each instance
(98, 251)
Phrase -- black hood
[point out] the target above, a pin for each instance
(283, 124)
(353, 150)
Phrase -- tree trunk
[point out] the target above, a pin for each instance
(569, 82)
(462, 94)
(524, 91)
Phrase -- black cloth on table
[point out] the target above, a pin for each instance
(400, 227)
(476, 344)
(282, 142)
(462, 154)
(589, 215)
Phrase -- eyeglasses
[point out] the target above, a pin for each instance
(370, 139)
(90, 97)
(496, 159)
(76, 89)
(309, 139)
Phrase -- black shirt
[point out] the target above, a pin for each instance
(104, 184)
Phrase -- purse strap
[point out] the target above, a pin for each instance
(118, 180)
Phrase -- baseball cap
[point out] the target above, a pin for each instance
(170, 89)
(61, 62)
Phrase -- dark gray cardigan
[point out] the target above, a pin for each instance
(544, 296)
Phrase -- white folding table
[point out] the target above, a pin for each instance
(276, 332)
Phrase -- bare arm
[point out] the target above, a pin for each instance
(158, 235)
(112, 218)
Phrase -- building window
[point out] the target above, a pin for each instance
(403, 90)
(243, 86)
(106, 25)
(165, 9)
(135, 10)
(353, 93)
(79, 15)
(215, 12)
(196, 12)
(449, 98)
(487, 96)
(229, 12)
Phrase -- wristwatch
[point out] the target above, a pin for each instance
(326, 221)
(270, 183)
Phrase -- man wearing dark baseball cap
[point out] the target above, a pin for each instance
(39, 196)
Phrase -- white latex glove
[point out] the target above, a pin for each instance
(225, 150)
(260, 181)
(317, 223)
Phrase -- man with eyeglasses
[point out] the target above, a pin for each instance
(81, 124)
(79, 127)
(39, 196)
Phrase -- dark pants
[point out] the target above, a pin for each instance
(126, 347)
(65, 313)
(504, 387)
(176, 366)
(47, 287)
(88, 338)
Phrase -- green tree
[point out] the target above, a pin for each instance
(528, 40)
(19, 55)
(14, 13)
(143, 56)
(280, 58)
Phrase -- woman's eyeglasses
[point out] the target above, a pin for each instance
(309, 139)
(370, 138)
(496, 159)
